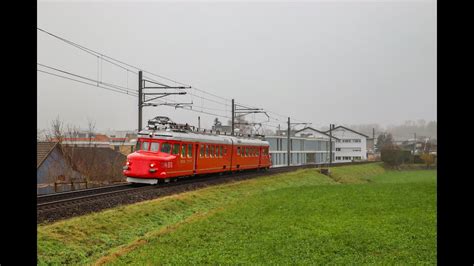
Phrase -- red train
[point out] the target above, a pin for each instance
(167, 154)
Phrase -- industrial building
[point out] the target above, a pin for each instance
(307, 146)
(350, 145)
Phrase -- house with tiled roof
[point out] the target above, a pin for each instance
(52, 167)
(64, 167)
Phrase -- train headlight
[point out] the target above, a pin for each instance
(152, 165)
(128, 163)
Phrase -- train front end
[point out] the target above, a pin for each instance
(147, 164)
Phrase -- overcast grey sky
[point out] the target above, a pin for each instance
(321, 62)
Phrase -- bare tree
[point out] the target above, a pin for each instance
(56, 131)
(90, 130)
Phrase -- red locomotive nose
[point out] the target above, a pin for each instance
(145, 164)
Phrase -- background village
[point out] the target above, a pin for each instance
(69, 158)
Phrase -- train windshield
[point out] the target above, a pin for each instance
(154, 146)
(142, 145)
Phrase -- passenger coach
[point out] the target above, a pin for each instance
(168, 154)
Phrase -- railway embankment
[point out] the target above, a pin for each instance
(250, 216)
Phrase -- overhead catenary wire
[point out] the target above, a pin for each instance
(128, 67)
(91, 84)
(86, 78)
(130, 94)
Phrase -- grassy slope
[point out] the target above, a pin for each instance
(245, 222)
(392, 222)
(85, 239)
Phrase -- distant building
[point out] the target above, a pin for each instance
(284, 132)
(372, 155)
(419, 146)
(350, 146)
(125, 145)
(307, 146)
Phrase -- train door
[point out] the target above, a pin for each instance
(260, 156)
(231, 152)
(196, 154)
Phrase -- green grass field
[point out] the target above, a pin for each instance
(362, 215)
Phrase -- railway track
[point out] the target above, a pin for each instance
(48, 198)
(73, 203)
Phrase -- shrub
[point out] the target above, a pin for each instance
(428, 159)
(394, 156)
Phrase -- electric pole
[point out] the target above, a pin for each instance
(233, 114)
(143, 101)
(331, 126)
(414, 146)
(373, 140)
(140, 104)
(289, 139)
(414, 143)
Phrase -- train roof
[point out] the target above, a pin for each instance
(192, 136)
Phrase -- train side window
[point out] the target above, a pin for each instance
(183, 150)
(212, 150)
(154, 146)
(190, 150)
(165, 147)
(238, 150)
(175, 150)
(221, 151)
(217, 151)
(207, 151)
(246, 151)
(145, 145)
(201, 152)
(225, 150)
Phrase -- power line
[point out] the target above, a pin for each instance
(106, 58)
(80, 81)
(118, 87)
(122, 92)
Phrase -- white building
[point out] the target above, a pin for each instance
(350, 145)
(307, 146)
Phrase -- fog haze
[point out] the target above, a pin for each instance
(319, 62)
